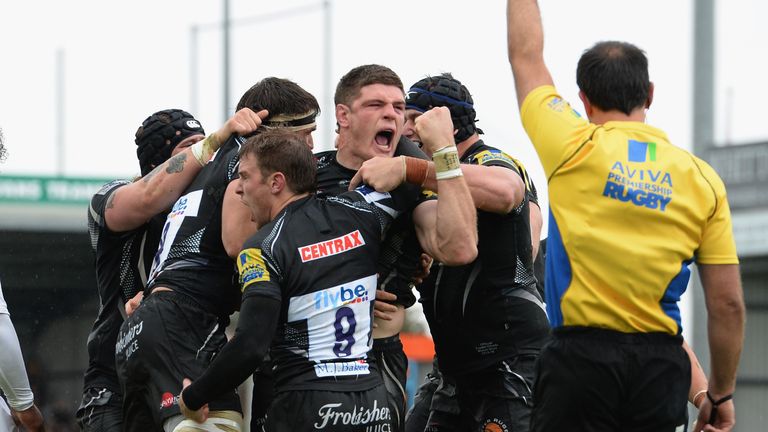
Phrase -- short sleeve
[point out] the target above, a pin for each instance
(494, 157)
(555, 129)
(717, 243)
(533, 194)
(98, 205)
(255, 277)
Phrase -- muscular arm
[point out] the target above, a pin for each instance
(525, 44)
(236, 224)
(447, 239)
(133, 205)
(446, 227)
(241, 355)
(493, 189)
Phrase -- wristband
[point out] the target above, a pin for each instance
(446, 162)
(696, 396)
(715, 404)
(415, 170)
(203, 150)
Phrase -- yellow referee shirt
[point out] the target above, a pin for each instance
(628, 213)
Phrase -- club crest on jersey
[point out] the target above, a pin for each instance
(557, 104)
(250, 265)
(331, 247)
(487, 156)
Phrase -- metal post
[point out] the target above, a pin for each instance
(703, 139)
(226, 25)
(330, 111)
(225, 29)
(703, 75)
(60, 120)
(193, 77)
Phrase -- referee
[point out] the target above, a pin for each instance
(629, 212)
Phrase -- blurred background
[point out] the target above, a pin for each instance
(77, 79)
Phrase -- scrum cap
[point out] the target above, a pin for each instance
(447, 91)
(160, 133)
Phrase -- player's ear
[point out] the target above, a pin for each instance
(342, 115)
(650, 96)
(277, 182)
(587, 104)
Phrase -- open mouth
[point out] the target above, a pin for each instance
(384, 138)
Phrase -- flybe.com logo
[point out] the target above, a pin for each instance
(642, 151)
(340, 296)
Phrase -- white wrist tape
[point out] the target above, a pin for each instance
(446, 162)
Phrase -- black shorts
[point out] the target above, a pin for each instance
(393, 366)
(330, 411)
(436, 406)
(101, 410)
(498, 398)
(168, 338)
(601, 380)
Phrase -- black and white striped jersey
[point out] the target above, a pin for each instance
(191, 258)
(319, 258)
(401, 252)
(123, 261)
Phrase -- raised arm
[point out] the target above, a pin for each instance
(725, 326)
(133, 205)
(525, 45)
(447, 227)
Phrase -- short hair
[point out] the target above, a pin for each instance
(614, 76)
(278, 150)
(279, 96)
(350, 84)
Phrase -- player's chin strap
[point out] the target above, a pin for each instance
(218, 421)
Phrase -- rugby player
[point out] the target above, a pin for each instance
(322, 307)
